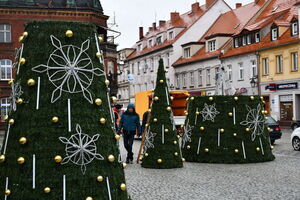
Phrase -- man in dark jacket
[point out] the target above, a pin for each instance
(130, 125)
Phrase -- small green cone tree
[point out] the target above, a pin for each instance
(61, 142)
(226, 129)
(161, 148)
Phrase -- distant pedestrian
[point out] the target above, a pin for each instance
(130, 126)
(116, 110)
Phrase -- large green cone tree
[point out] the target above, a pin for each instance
(161, 148)
(61, 142)
(226, 129)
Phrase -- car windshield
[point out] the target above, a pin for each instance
(270, 120)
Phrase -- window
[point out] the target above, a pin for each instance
(5, 33)
(192, 80)
(265, 62)
(177, 79)
(217, 75)
(236, 42)
(150, 43)
(168, 60)
(279, 64)
(6, 69)
(208, 77)
(229, 67)
(254, 68)
(5, 105)
(138, 68)
(151, 65)
(241, 71)
(171, 35)
(187, 52)
(295, 28)
(244, 40)
(145, 66)
(200, 77)
(184, 80)
(257, 37)
(248, 39)
(140, 47)
(274, 33)
(132, 68)
(158, 40)
(212, 45)
(294, 57)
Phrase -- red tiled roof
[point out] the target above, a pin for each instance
(186, 21)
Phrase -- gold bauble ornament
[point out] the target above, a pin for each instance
(262, 98)
(234, 134)
(54, 119)
(22, 61)
(159, 161)
(269, 129)
(2, 158)
(156, 98)
(166, 130)
(222, 130)
(21, 38)
(25, 34)
(89, 198)
(272, 147)
(111, 158)
(188, 147)
(149, 110)
(257, 149)
(5, 118)
(146, 154)
(266, 118)
(147, 125)
(21, 160)
(230, 114)
(192, 98)
(202, 128)
(161, 81)
(206, 150)
(197, 113)
(11, 121)
(99, 55)
(114, 99)
(252, 98)
(175, 142)
(7, 192)
(236, 151)
(236, 98)
(117, 137)
(47, 190)
(169, 108)
(187, 99)
(264, 102)
(107, 82)
(101, 39)
(124, 165)
(183, 159)
(154, 120)
(98, 102)
(178, 136)
(102, 120)
(266, 112)
(23, 140)
(172, 98)
(123, 187)
(20, 101)
(69, 33)
(100, 178)
(10, 81)
(186, 113)
(248, 129)
(263, 112)
(141, 158)
(58, 159)
(176, 153)
(31, 82)
(211, 98)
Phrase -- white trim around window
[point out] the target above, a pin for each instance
(5, 69)
(265, 65)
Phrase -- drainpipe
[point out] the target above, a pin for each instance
(258, 72)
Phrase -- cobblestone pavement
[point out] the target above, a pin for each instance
(279, 179)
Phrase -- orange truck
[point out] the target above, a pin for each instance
(143, 101)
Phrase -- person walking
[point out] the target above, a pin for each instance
(130, 126)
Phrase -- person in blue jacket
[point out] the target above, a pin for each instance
(130, 126)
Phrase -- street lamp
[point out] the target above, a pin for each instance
(253, 82)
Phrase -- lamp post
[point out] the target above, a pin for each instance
(253, 83)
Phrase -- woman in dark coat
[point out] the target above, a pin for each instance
(130, 126)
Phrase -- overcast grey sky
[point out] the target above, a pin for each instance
(130, 14)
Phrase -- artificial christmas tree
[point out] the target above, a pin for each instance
(61, 142)
(226, 129)
(161, 147)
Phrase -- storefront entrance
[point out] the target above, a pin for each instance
(286, 109)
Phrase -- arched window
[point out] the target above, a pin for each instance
(5, 69)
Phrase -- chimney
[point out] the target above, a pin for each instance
(141, 32)
(195, 7)
(208, 3)
(154, 25)
(150, 29)
(174, 17)
(238, 5)
(162, 23)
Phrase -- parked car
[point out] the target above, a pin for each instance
(295, 124)
(275, 130)
(295, 139)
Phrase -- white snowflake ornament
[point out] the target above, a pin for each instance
(149, 140)
(186, 137)
(81, 149)
(70, 69)
(209, 112)
(16, 92)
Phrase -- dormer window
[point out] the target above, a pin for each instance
(274, 34)
(244, 40)
(187, 52)
(257, 37)
(236, 42)
(158, 40)
(171, 35)
(248, 39)
(295, 28)
(211, 45)
(139, 48)
(150, 43)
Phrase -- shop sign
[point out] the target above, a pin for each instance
(283, 86)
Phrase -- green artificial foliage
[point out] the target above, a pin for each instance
(43, 136)
(165, 147)
(218, 136)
